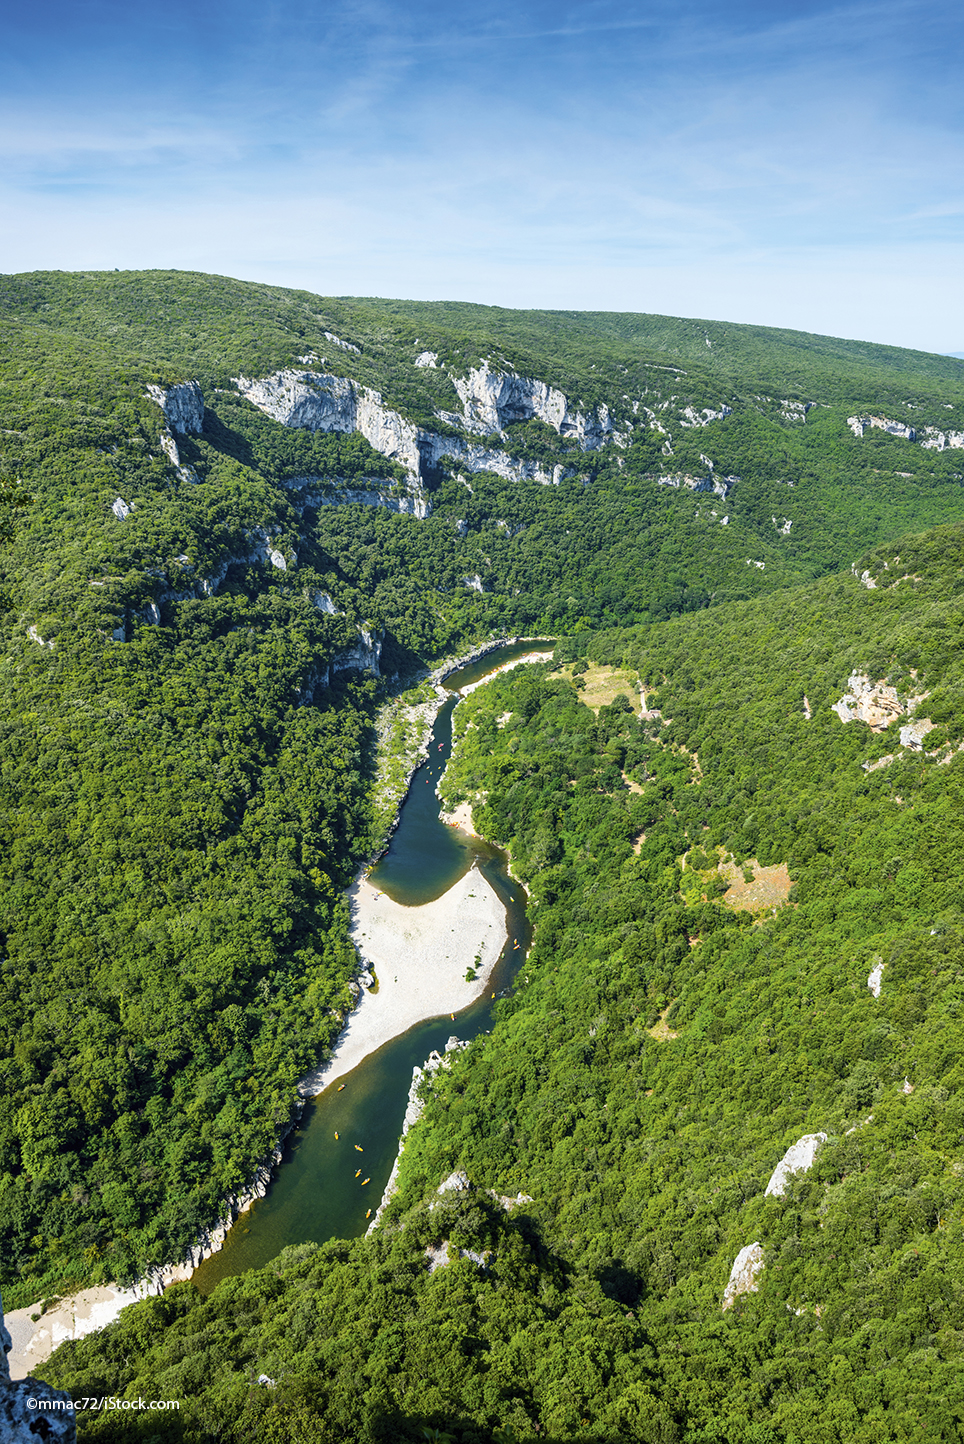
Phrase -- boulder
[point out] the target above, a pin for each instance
(799, 1158)
(744, 1275)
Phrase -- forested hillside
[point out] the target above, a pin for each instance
(664, 1047)
(235, 518)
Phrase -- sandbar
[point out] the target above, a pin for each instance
(419, 956)
(506, 667)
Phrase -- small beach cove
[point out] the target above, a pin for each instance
(437, 900)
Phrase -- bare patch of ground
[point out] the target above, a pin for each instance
(767, 892)
(661, 1030)
(750, 887)
(603, 686)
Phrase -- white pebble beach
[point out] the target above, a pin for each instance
(420, 956)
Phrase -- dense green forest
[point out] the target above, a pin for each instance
(193, 651)
(661, 1051)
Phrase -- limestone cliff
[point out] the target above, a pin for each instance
(491, 400)
(860, 425)
(182, 405)
(878, 704)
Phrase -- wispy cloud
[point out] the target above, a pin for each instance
(510, 150)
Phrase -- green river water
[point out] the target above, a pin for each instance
(315, 1195)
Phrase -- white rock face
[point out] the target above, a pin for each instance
(874, 979)
(939, 440)
(457, 1182)
(913, 734)
(799, 1158)
(415, 503)
(711, 485)
(783, 527)
(875, 703)
(324, 603)
(413, 1113)
(474, 583)
(183, 405)
(120, 508)
(152, 614)
(316, 401)
(427, 358)
(744, 1275)
(860, 425)
(342, 345)
(21, 1423)
(690, 417)
(35, 636)
(169, 447)
(276, 559)
(309, 400)
(363, 658)
(492, 400)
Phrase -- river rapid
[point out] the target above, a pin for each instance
(315, 1194)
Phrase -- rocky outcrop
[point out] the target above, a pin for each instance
(342, 345)
(937, 440)
(427, 358)
(799, 1158)
(30, 1411)
(316, 491)
(492, 400)
(874, 978)
(308, 400)
(711, 484)
(183, 405)
(316, 401)
(913, 733)
(690, 417)
(876, 703)
(364, 657)
(745, 1274)
(860, 425)
(121, 508)
(170, 450)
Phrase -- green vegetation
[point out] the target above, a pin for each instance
(652, 1066)
(191, 771)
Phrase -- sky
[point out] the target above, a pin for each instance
(791, 164)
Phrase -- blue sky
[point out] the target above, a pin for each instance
(793, 164)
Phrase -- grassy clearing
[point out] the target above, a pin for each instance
(661, 1030)
(742, 887)
(603, 685)
(767, 890)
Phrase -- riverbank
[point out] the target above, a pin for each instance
(434, 946)
(541, 656)
(404, 723)
(420, 957)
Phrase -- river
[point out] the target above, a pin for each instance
(313, 1196)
